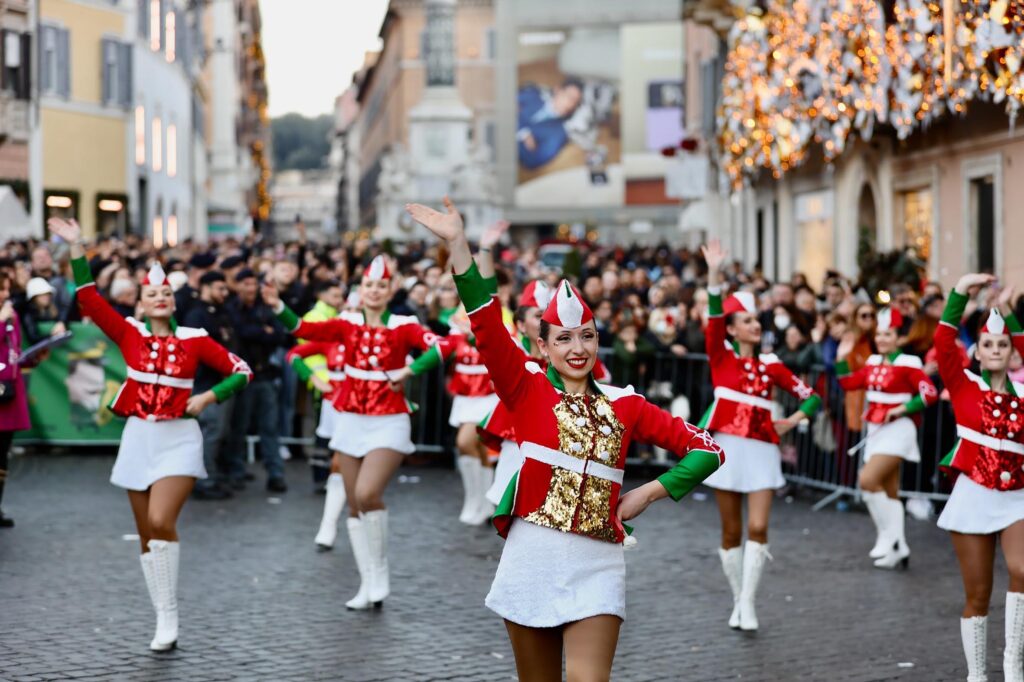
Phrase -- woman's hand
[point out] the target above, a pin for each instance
(1005, 300)
(895, 413)
(198, 403)
(633, 503)
(68, 230)
(58, 329)
(975, 279)
(6, 311)
(784, 426)
(321, 385)
(714, 255)
(398, 377)
(845, 347)
(492, 235)
(447, 226)
(270, 295)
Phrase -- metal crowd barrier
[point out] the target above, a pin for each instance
(814, 456)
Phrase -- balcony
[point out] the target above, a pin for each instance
(14, 118)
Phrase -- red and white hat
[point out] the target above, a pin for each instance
(567, 308)
(889, 318)
(995, 324)
(377, 270)
(740, 302)
(536, 294)
(156, 276)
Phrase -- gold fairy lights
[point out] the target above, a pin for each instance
(819, 70)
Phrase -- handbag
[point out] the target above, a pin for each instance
(8, 387)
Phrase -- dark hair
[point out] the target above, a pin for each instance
(502, 277)
(573, 82)
(244, 274)
(211, 277)
(520, 314)
(326, 284)
(545, 329)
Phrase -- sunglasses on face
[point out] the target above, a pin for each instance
(866, 316)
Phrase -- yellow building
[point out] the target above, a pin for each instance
(85, 96)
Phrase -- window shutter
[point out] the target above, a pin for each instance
(180, 39)
(47, 40)
(144, 20)
(23, 89)
(108, 69)
(125, 75)
(491, 43)
(63, 62)
(163, 24)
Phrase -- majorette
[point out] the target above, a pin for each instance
(562, 515)
(988, 497)
(740, 418)
(161, 451)
(897, 390)
(373, 414)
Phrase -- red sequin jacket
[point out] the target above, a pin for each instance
(900, 381)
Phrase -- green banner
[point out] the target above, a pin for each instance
(68, 393)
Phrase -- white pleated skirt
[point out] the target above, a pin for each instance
(153, 450)
(973, 508)
(750, 465)
(358, 434)
(897, 438)
(328, 416)
(548, 578)
(471, 409)
(510, 461)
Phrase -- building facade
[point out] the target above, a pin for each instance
(85, 100)
(17, 41)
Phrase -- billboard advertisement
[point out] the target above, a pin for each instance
(595, 108)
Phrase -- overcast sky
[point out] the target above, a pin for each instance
(312, 48)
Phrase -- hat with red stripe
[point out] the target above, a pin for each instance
(889, 318)
(536, 294)
(995, 324)
(740, 302)
(378, 270)
(567, 308)
(156, 276)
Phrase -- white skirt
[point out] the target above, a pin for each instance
(898, 438)
(150, 451)
(509, 462)
(328, 415)
(471, 409)
(750, 465)
(357, 434)
(548, 578)
(973, 508)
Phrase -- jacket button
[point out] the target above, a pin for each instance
(151, 367)
(154, 355)
(1005, 477)
(155, 346)
(605, 455)
(171, 357)
(168, 370)
(580, 421)
(999, 400)
(996, 413)
(606, 430)
(170, 347)
(1013, 417)
(575, 447)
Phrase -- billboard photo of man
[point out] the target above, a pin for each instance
(543, 113)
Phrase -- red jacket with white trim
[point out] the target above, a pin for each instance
(334, 353)
(889, 383)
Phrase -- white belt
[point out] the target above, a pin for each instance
(160, 379)
(977, 438)
(470, 369)
(737, 397)
(883, 398)
(556, 458)
(366, 374)
(335, 376)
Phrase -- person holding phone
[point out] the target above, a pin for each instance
(14, 414)
(161, 451)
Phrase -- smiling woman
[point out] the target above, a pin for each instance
(560, 583)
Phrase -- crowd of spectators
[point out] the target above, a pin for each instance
(649, 305)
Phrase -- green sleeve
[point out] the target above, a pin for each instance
(81, 271)
(714, 303)
(914, 405)
(427, 361)
(843, 369)
(492, 284)
(955, 307)
(302, 370)
(288, 318)
(810, 406)
(229, 386)
(472, 289)
(691, 470)
(1013, 325)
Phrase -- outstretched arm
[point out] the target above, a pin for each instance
(328, 330)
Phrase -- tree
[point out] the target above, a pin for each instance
(301, 143)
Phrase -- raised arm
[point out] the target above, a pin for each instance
(1005, 302)
(948, 357)
(700, 456)
(497, 348)
(850, 380)
(714, 339)
(334, 329)
(484, 256)
(91, 303)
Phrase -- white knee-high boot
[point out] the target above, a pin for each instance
(484, 508)
(376, 523)
(469, 470)
(334, 502)
(974, 634)
(732, 566)
(361, 552)
(164, 565)
(898, 553)
(1013, 654)
(755, 555)
(874, 502)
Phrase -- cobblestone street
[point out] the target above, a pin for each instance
(258, 602)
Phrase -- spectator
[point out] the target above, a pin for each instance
(187, 295)
(43, 266)
(922, 332)
(261, 337)
(40, 318)
(124, 296)
(13, 411)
